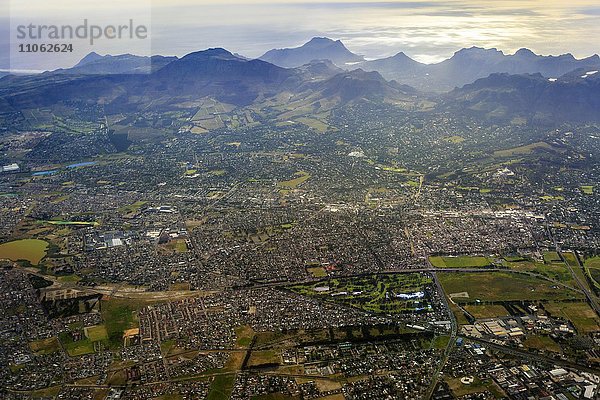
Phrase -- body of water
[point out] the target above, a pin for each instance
(42, 173)
(83, 164)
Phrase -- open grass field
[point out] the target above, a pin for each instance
(301, 177)
(486, 311)
(584, 319)
(221, 387)
(503, 286)
(177, 245)
(317, 272)
(587, 189)
(32, 250)
(460, 262)
(96, 333)
(570, 258)
(526, 149)
(76, 348)
(538, 342)
(324, 385)
(167, 346)
(69, 279)
(556, 271)
(454, 139)
(314, 123)
(478, 386)
(552, 257)
(440, 342)
(74, 223)
(264, 357)
(274, 396)
(460, 316)
(45, 346)
(119, 315)
(593, 262)
(592, 268)
(244, 335)
(47, 393)
(180, 286)
(594, 274)
(132, 208)
(171, 396)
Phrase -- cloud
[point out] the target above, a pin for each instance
(428, 30)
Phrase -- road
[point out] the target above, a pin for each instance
(451, 343)
(528, 355)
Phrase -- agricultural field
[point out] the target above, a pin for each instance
(503, 286)
(389, 293)
(32, 250)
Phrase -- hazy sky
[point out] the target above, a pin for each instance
(428, 31)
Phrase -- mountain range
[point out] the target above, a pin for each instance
(483, 82)
(531, 97)
(465, 66)
(94, 63)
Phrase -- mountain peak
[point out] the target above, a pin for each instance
(400, 55)
(478, 51)
(524, 52)
(316, 48)
(211, 53)
(321, 40)
(90, 57)
(319, 43)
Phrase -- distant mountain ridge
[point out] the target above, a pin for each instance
(95, 64)
(317, 48)
(464, 67)
(468, 65)
(271, 92)
(574, 97)
(214, 73)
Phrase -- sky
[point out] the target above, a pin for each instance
(428, 31)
